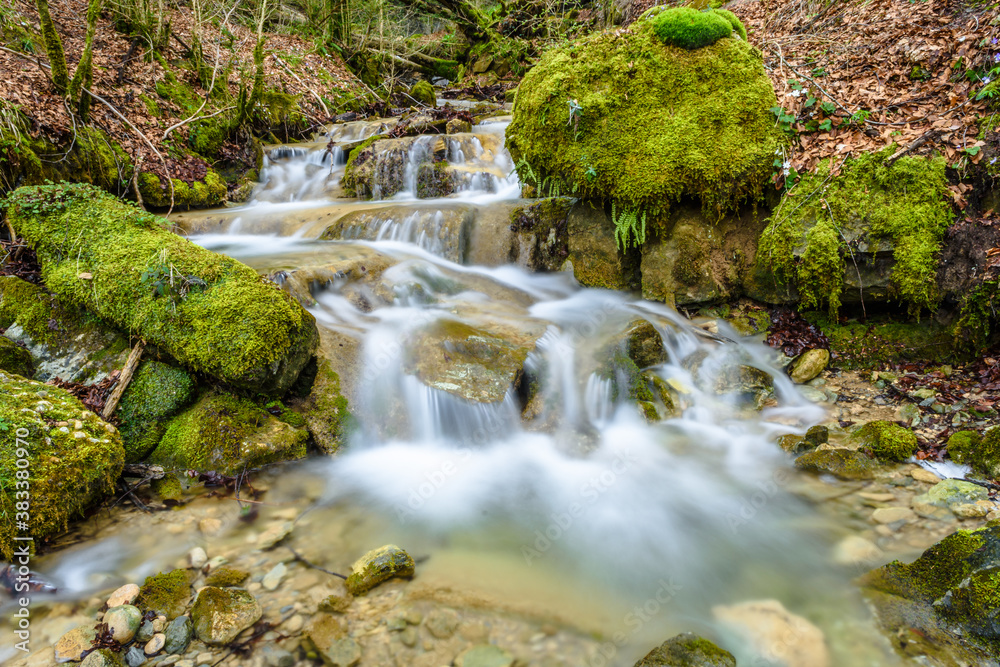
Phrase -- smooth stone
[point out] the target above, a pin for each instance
(484, 655)
(377, 566)
(924, 475)
(973, 510)
(123, 622)
(442, 623)
(939, 500)
(342, 652)
(72, 645)
(220, 614)
(124, 595)
(159, 623)
(197, 557)
(273, 579)
(155, 644)
(887, 515)
(294, 624)
(146, 632)
(776, 633)
(856, 550)
(134, 656)
(809, 365)
(178, 635)
(273, 534)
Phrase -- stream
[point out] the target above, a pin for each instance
(553, 504)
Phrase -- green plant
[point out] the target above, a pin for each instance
(783, 119)
(691, 29)
(166, 280)
(630, 228)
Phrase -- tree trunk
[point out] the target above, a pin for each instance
(257, 89)
(466, 16)
(53, 47)
(84, 74)
(338, 22)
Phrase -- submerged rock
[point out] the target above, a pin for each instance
(377, 566)
(946, 497)
(687, 650)
(776, 633)
(209, 312)
(329, 637)
(484, 655)
(220, 614)
(74, 458)
(228, 434)
(844, 463)
(72, 646)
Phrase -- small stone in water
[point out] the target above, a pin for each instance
(274, 533)
(146, 632)
(273, 579)
(887, 515)
(178, 635)
(275, 656)
(377, 566)
(72, 645)
(155, 644)
(442, 623)
(124, 595)
(197, 557)
(134, 656)
(485, 655)
(123, 622)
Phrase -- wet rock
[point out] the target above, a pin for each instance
(809, 365)
(855, 550)
(155, 644)
(329, 637)
(887, 515)
(60, 340)
(677, 269)
(377, 566)
(146, 632)
(776, 633)
(197, 558)
(15, 359)
(102, 658)
(940, 501)
(484, 655)
(423, 92)
(687, 650)
(124, 595)
(72, 645)
(336, 603)
(593, 251)
(220, 614)
(274, 577)
(887, 441)
(225, 576)
(457, 126)
(477, 364)
(72, 465)
(442, 623)
(178, 635)
(134, 656)
(156, 393)
(274, 534)
(847, 464)
(540, 229)
(228, 434)
(123, 622)
(924, 475)
(167, 593)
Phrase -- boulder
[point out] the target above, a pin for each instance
(156, 393)
(423, 92)
(809, 365)
(687, 650)
(377, 566)
(220, 614)
(15, 359)
(228, 434)
(592, 250)
(63, 340)
(623, 116)
(849, 464)
(887, 441)
(209, 312)
(73, 457)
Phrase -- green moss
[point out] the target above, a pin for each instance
(690, 28)
(283, 414)
(907, 205)
(209, 192)
(976, 327)
(423, 92)
(168, 487)
(207, 136)
(734, 21)
(961, 444)
(73, 459)
(622, 116)
(166, 593)
(152, 108)
(325, 410)
(985, 457)
(690, 257)
(228, 434)
(883, 340)
(226, 576)
(230, 323)
(15, 359)
(180, 93)
(887, 441)
(938, 569)
(349, 180)
(975, 601)
(157, 391)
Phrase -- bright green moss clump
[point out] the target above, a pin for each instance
(228, 434)
(211, 191)
(15, 359)
(166, 593)
(985, 457)
(690, 28)
(218, 317)
(73, 458)
(423, 92)
(156, 392)
(906, 205)
(622, 116)
(961, 444)
(887, 441)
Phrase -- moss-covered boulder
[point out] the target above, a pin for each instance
(622, 116)
(887, 441)
(377, 566)
(220, 614)
(15, 359)
(961, 444)
(228, 434)
(205, 193)
(985, 457)
(844, 463)
(167, 593)
(945, 602)
(870, 232)
(51, 446)
(209, 312)
(64, 340)
(157, 391)
(687, 650)
(423, 92)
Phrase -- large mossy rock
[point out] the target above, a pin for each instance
(64, 341)
(205, 193)
(623, 116)
(945, 603)
(72, 458)
(228, 434)
(211, 313)
(15, 359)
(687, 650)
(157, 391)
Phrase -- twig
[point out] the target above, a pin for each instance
(194, 118)
(302, 560)
(130, 365)
(301, 83)
(918, 142)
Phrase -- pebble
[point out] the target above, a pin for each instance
(197, 557)
(274, 533)
(485, 655)
(442, 623)
(220, 614)
(275, 656)
(408, 636)
(886, 515)
(159, 623)
(294, 624)
(210, 526)
(124, 595)
(146, 632)
(924, 475)
(123, 622)
(134, 656)
(156, 644)
(856, 550)
(273, 579)
(178, 635)
(877, 497)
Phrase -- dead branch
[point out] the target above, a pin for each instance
(130, 365)
(929, 135)
(301, 83)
